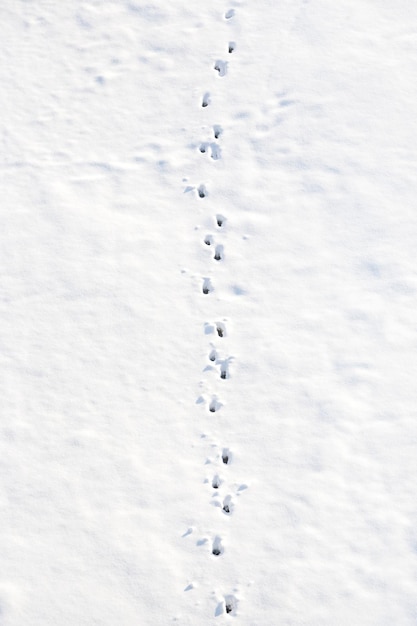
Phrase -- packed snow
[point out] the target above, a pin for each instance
(208, 296)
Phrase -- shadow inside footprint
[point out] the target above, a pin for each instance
(230, 604)
(227, 505)
(207, 287)
(215, 482)
(221, 329)
(218, 254)
(221, 67)
(214, 406)
(217, 130)
(217, 548)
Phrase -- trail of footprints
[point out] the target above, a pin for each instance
(211, 149)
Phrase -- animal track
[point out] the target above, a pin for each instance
(224, 373)
(221, 329)
(217, 548)
(207, 286)
(218, 255)
(226, 456)
(227, 505)
(215, 483)
(214, 405)
(221, 67)
(217, 131)
(215, 151)
(230, 604)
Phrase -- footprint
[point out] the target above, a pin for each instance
(215, 483)
(232, 46)
(221, 329)
(208, 240)
(229, 14)
(217, 131)
(221, 67)
(224, 372)
(214, 405)
(217, 548)
(218, 255)
(226, 456)
(206, 100)
(230, 604)
(202, 192)
(215, 151)
(213, 355)
(220, 220)
(227, 505)
(207, 286)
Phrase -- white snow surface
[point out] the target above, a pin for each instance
(108, 447)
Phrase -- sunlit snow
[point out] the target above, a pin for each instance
(208, 302)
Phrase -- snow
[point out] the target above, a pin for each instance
(111, 355)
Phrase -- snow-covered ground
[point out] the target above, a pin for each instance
(120, 400)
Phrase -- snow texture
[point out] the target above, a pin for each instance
(208, 295)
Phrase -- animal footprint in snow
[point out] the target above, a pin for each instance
(226, 456)
(202, 192)
(206, 100)
(224, 368)
(220, 220)
(213, 355)
(214, 406)
(215, 483)
(217, 548)
(221, 67)
(221, 329)
(218, 254)
(207, 286)
(230, 604)
(229, 14)
(208, 240)
(217, 131)
(215, 151)
(232, 46)
(227, 505)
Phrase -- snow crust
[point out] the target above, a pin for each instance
(111, 354)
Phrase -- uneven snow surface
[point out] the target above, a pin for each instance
(207, 254)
